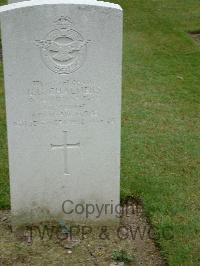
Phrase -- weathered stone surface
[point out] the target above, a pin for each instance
(62, 69)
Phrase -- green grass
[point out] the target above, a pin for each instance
(4, 180)
(160, 121)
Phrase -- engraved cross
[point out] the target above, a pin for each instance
(65, 146)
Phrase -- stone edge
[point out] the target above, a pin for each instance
(32, 3)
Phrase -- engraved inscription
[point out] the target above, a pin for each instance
(64, 116)
(64, 49)
(71, 89)
(65, 146)
(62, 102)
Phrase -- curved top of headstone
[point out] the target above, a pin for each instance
(30, 3)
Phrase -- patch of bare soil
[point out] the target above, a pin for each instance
(195, 35)
(50, 244)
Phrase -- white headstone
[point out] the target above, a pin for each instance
(62, 70)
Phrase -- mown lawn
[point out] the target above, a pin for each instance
(160, 122)
(4, 182)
